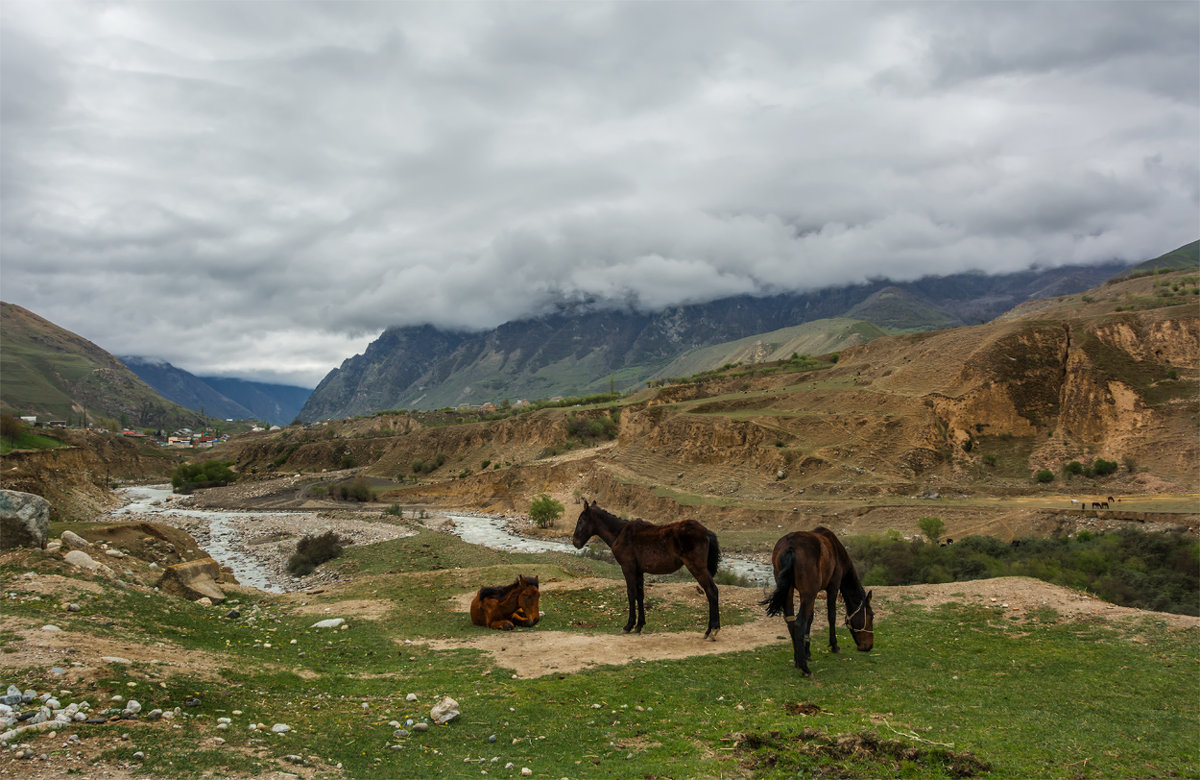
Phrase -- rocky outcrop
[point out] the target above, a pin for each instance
(194, 580)
(24, 520)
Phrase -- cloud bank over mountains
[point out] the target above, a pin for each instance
(258, 189)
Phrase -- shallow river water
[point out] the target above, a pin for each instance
(225, 541)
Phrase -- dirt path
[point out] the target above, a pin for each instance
(535, 653)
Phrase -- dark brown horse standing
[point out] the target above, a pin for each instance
(507, 606)
(807, 562)
(644, 548)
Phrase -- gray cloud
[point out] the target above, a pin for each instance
(257, 189)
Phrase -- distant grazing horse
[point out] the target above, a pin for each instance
(809, 561)
(1099, 505)
(507, 606)
(644, 548)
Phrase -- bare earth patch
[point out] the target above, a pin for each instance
(534, 653)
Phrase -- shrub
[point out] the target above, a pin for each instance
(1073, 468)
(11, 427)
(358, 490)
(933, 528)
(312, 551)
(211, 473)
(1044, 476)
(1102, 468)
(544, 511)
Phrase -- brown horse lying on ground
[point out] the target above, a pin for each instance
(807, 562)
(507, 606)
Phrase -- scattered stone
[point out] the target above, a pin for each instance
(420, 727)
(444, 711)
(114, 659)
(281, 728)
(73, 608)
(51, 628)
(411, 697)
(329, 623)
(84, 561)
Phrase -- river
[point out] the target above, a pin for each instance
(225, 535)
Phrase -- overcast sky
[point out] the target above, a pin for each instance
(258, 189)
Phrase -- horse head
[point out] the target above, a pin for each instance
(585, 526)
(862, 624)
(527, 599)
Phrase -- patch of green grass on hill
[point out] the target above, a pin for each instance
(29, 441)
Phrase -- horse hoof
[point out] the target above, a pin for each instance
(626, 630)
(712, 635)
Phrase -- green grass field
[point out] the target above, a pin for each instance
(952, 691)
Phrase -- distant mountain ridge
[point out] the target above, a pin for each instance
(231, 399)
(53, 374)
(586, 350)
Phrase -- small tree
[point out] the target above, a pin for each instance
(932, 527)
(544, 511)
(1044, 476)
(11, 427)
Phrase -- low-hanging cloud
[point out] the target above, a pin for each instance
(258, 189)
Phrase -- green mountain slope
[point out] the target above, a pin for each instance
(1184, 258)
(56, 375)
(812, 338)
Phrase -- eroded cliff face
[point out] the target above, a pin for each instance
(77, 480)
(1095, 388)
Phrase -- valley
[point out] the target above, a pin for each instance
(961, 424)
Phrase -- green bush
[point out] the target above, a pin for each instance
(1073, 468)
(1044, 476)
(358, 490)
(192, 476)
(1102, 468)
(1158, 571)
(932, 527)
(312, 551)
(544, 511)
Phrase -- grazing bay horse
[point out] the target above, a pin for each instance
(507, 606)
(644, 548)
(809, 561)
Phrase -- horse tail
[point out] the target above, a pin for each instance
(785, 579)
(714, 554)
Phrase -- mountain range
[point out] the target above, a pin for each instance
(230, 399)
(587, 349)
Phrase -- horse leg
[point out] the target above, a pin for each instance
(803, 626)
(831, 602)
(633, 580)
(641, 603)
(710, 591)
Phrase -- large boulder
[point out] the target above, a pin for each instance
(84, 561)
(194, 580)
(24, 520)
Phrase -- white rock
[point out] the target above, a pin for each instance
(444, 711)
(411, 697)
(330, 623)
(114, 659)
(281, 728)
(51, 628)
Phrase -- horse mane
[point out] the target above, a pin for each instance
(607, 515)
(498, 591)
(851, 584)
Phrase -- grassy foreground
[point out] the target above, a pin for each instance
(953, 691)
